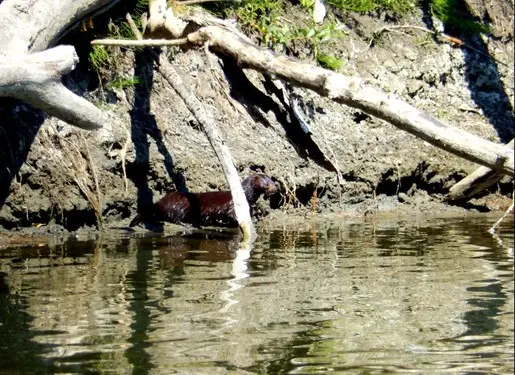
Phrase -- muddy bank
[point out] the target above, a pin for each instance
(55, 174)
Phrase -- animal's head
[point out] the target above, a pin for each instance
(258, 184)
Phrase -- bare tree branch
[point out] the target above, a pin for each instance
(36, 79)
(32, 26)
(479, 180)
(140, 43)
(353, 92)
(35, 25)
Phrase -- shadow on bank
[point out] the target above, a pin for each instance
(481, 69)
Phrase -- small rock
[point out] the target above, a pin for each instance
(413, 87)
(403, 198)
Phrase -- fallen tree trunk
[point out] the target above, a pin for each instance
(30, 26)
(479, 180)
(355, 93)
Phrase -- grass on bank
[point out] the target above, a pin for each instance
(269, 21)
(453, 13)
(113, 25)
(400, 7)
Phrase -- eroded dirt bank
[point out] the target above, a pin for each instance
(60, 178)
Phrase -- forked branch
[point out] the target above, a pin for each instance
(36, 79)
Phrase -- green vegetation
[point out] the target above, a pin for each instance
(449, 13)
(270, 22)
(100, 59)
(397, 6)
(263, 16)
(118, 26)
(316, 35)
(330, 62)
(121, 83)
(103, 59)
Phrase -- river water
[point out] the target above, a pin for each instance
(424, 296)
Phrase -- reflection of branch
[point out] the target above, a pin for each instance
(501, 243)
(239, 266)
(493, 230)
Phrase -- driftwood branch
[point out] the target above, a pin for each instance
(208, 123)
(36, 79)
(355, 93)
(140, 43)
(30, 26)
(508, 211)
(479, 180)
(162, 23)
(34, 25)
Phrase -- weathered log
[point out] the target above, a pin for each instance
(34, 25)
(36, 79)
(353, 91)
(479, 180)
(208, 123)
(30, 26)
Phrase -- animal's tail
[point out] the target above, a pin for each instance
(135, 221)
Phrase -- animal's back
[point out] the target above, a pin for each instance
(177, 207)
(217, 209)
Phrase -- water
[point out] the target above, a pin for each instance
(424, 297)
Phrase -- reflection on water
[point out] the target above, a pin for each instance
(424, 296)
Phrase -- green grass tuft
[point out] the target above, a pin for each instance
(100, 58)
(122, 83)
(449, 13)
(398, 6)
(262, 16)
(330, 62)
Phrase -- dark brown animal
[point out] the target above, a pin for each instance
(205, 209)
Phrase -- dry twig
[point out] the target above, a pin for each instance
(140, 43)
(508, 211)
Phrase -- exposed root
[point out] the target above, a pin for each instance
(289, 197)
